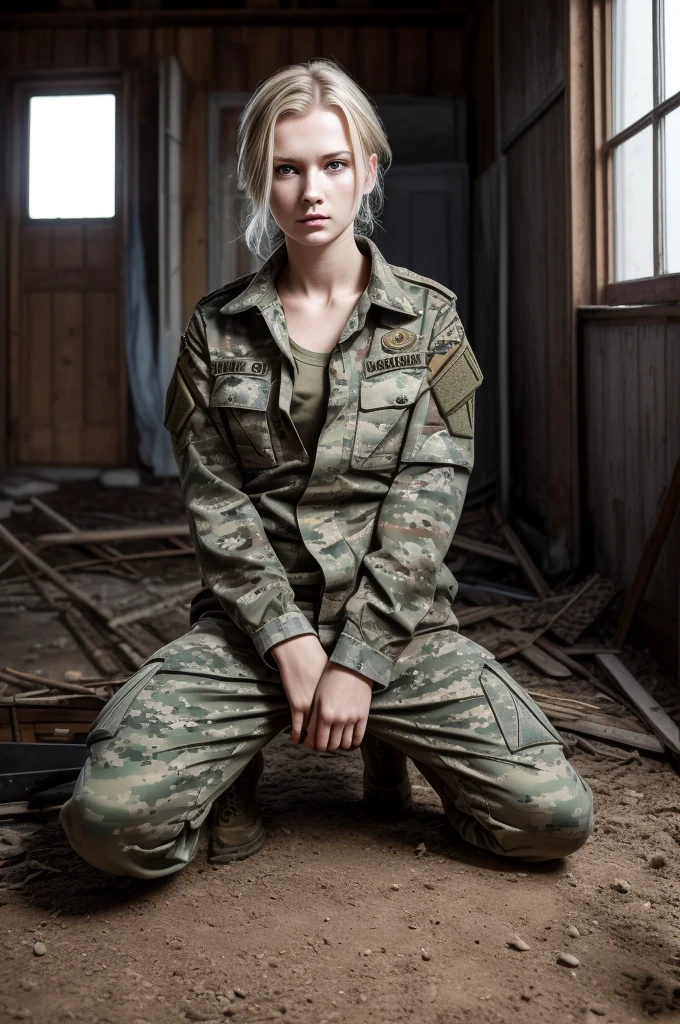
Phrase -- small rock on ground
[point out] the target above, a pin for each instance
(568, 960)
(120, 478)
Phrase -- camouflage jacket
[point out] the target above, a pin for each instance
(378, 506)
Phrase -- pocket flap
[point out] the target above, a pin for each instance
(240, 391)
(390, 390)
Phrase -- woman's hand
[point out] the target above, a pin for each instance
(340, 709)
(301, 661)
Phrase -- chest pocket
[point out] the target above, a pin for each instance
(385, 402)
(243, 399)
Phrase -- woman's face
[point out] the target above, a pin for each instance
(314, 174)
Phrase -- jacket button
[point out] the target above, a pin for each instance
(402, 399)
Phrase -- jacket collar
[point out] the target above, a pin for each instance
(383, 288)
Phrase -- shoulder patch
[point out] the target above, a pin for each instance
(428, 282)
(453, 385)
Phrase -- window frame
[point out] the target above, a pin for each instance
(66, 85)
(662, 287)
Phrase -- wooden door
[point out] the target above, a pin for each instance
(67, 381)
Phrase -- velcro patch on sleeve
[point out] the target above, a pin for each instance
(456, 380)
(179, 405)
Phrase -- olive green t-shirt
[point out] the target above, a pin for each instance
(308, 408)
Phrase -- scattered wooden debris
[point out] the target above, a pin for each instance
(621, 737)
(80, 537)
(52, 574)
(523, 557)
(647, 708)
(488, 550)
(54, 684)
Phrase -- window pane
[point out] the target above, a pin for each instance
(671, 38)
(633, 93)
(672, 185)
(633, 208)
(72, 155)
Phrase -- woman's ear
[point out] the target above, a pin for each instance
(371, 173)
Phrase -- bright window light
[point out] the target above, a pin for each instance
(72, 156)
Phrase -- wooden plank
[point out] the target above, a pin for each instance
(195, 54)
(304, 43)
(629, 356)
(36, 246)
(375, 47)
(231, 58)
(341, 45)
(522, 555)
(70, 48)
(100, 358)
(102, 248)
(35, 379)
(622, 737)
(66, 279)
(528, 328)
(545, 663)
(96, 47)
(653, 436)
(38, 48)
(560, 382)
(37, 563)
(267, 53)
(532, 56)
(410, 68)
(68, 383)
(160, 532)
(164, 42)
(68, 249)
(647, 708)
(447, 62)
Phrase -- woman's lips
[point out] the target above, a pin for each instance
(314, 220)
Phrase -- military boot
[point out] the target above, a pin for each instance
(237, 830)
(387, 789)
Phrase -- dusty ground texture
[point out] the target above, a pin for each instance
(340, 918)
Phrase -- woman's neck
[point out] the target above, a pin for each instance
(324, 274)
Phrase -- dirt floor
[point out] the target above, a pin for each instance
(342, 917)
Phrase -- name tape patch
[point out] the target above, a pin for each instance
(241, 364)
(372, 366)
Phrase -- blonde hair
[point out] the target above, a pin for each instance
(298, 89)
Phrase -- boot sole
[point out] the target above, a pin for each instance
(229, 854)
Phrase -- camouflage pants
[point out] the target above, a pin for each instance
(181, 730)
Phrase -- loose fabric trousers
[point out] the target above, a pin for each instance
(182, 729)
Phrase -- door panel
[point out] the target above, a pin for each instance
(67, 384)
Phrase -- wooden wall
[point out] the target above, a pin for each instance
(542, 353)
(631, 405)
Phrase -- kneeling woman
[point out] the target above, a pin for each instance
(322, 417)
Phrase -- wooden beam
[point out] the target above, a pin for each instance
(77, 595)
(454, 14)
(124, 533)
(622, 737)
(643, 702)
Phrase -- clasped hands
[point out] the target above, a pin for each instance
(329, 704)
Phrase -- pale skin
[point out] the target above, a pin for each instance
(316, 171)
